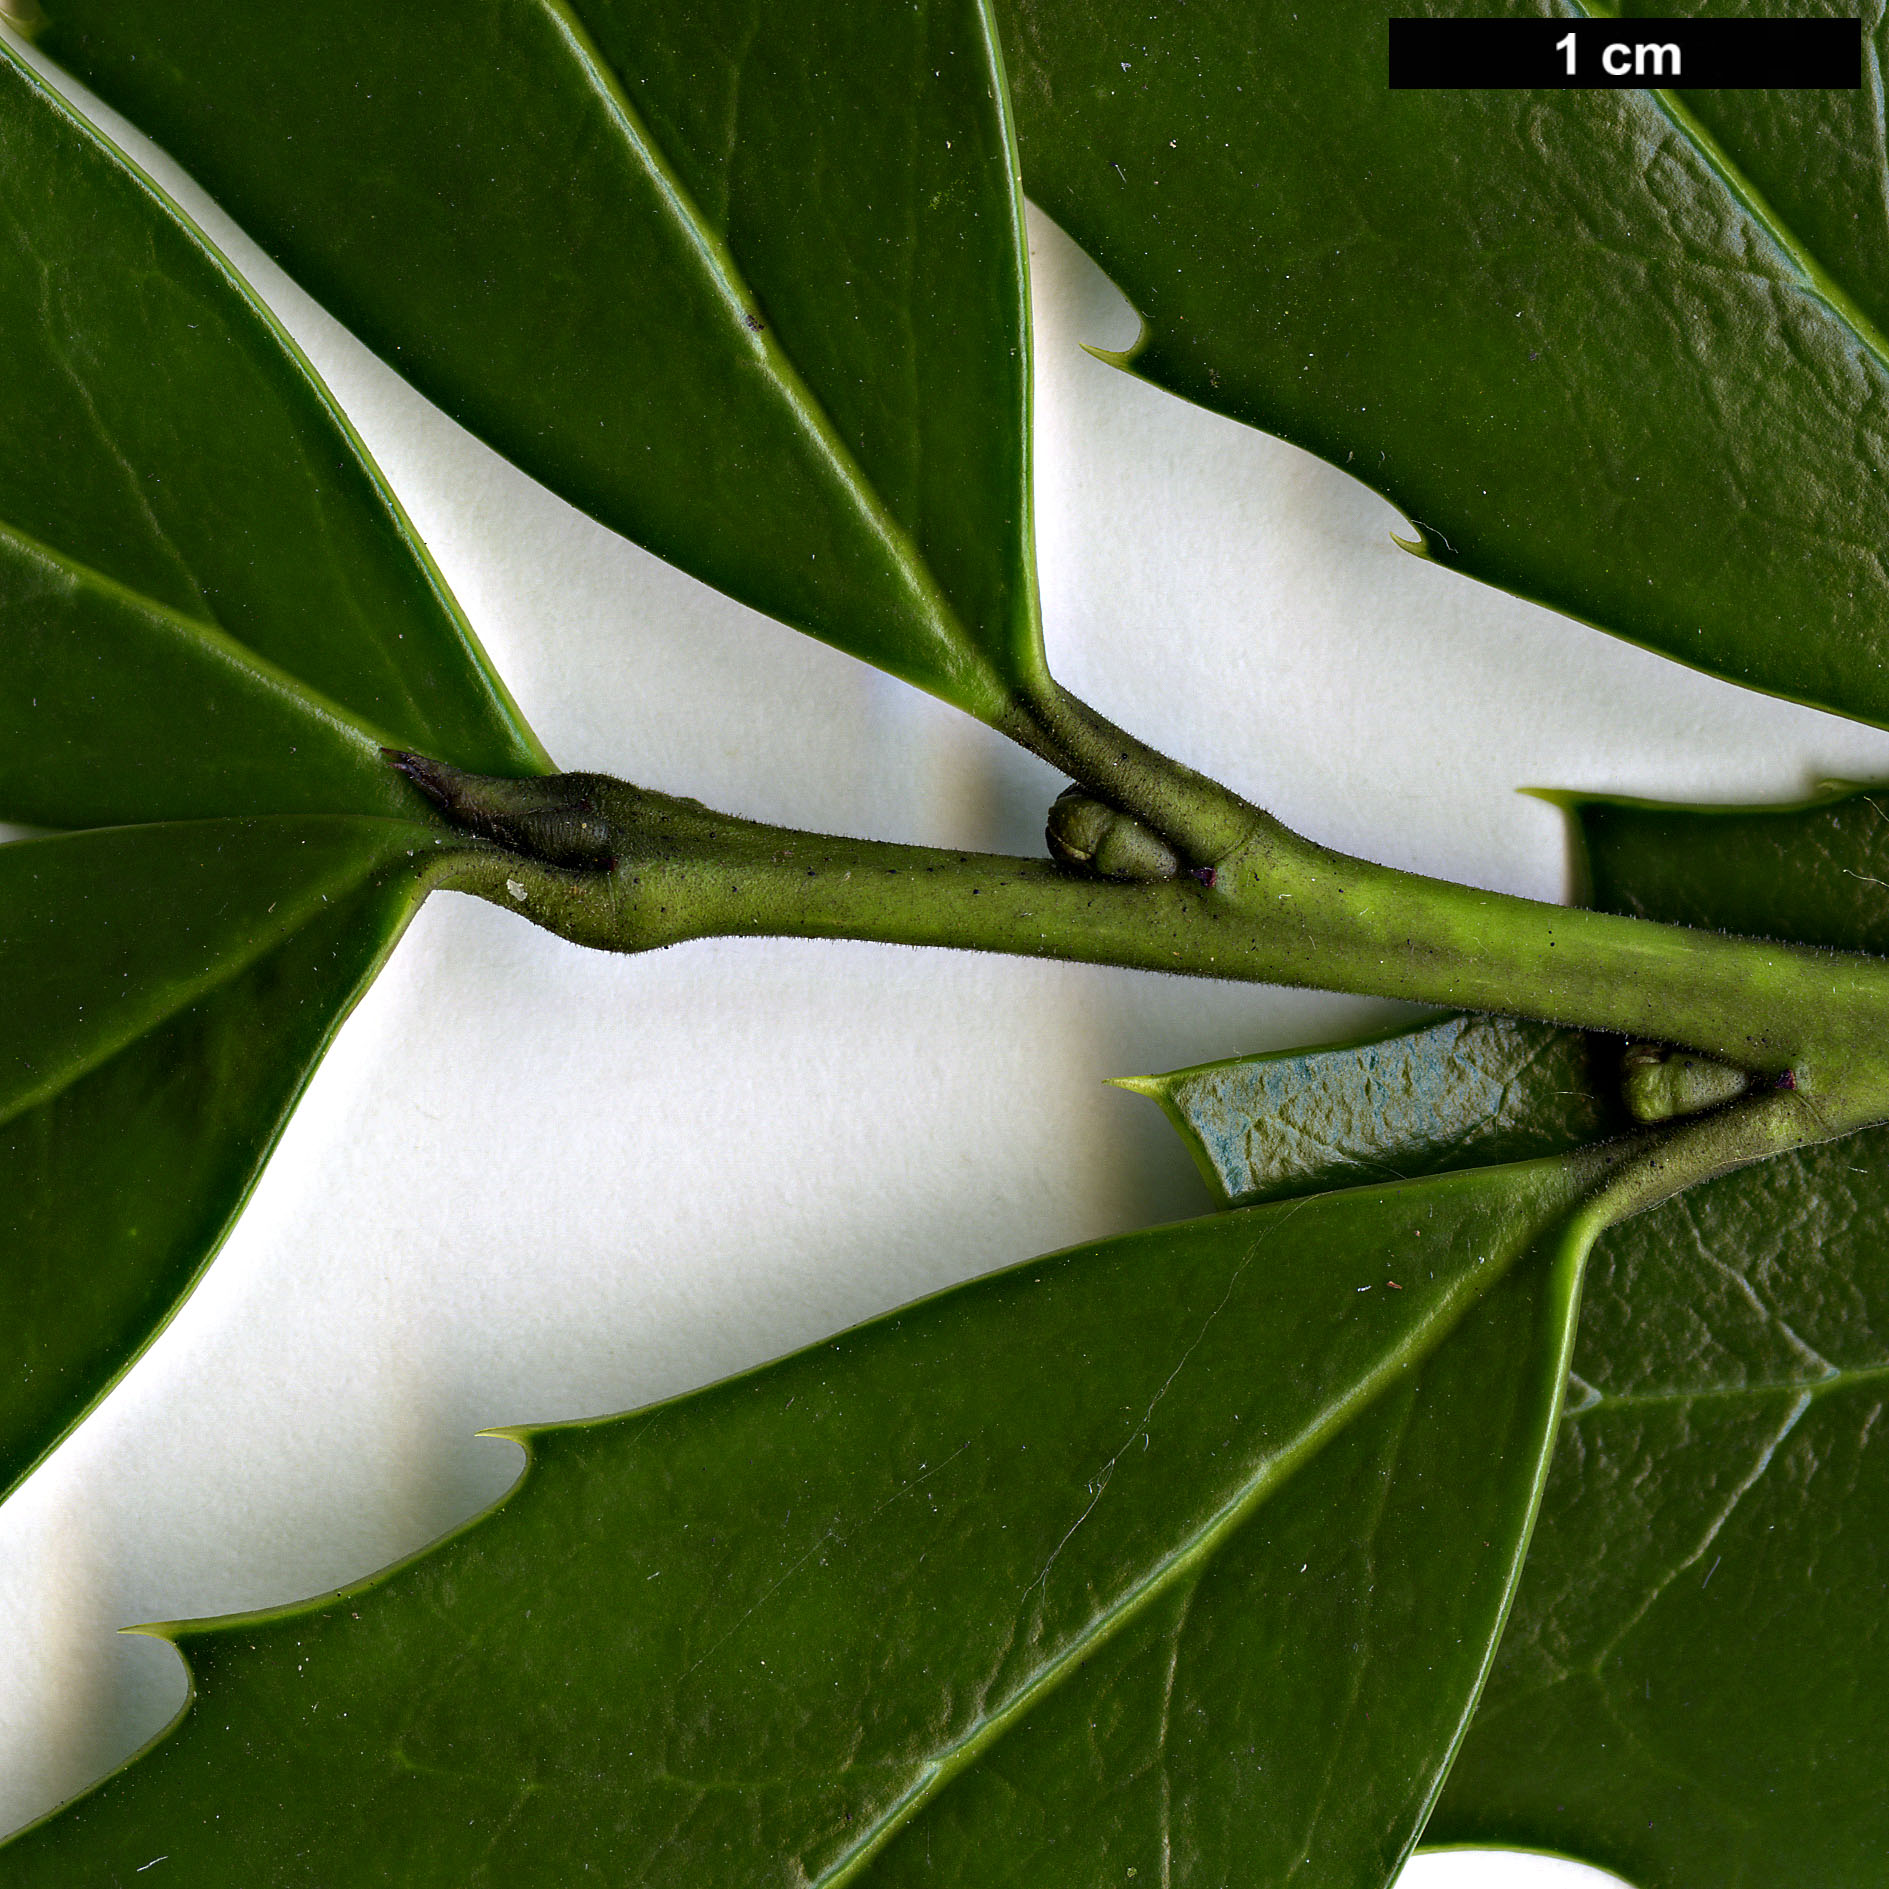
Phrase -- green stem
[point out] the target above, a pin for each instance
(1638, 1173)
(1204, 821)
(613, 866)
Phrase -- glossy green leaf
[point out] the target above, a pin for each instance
(1815, 158)
(1817, 873)
(1562, 330)
(1646, 1711)
(743, 282)
(177, 489)
(214, 616)
(1464, 1092)
(1694, 1686)
(1180, 1554)
(170, 989)
(115, 708)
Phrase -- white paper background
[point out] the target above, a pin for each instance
(532, 1183)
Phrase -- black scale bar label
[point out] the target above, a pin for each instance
(1742, 55)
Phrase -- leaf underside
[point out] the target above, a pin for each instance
(746, 283)
(1616, 351)
(1468, 1091)
(214, 616)
(1183, 1553)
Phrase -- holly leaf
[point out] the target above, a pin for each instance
(1181, 1554)
(1813, 157)
(745, 284)
(1692, 1686)
(1690, 1689)
(1467, 1091)
(1612, 350)
(215, 616)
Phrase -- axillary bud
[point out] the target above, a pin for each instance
(1658, 1082)
(1088, 835)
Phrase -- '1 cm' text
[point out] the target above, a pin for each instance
(1618, 60)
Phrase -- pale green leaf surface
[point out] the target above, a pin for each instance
(886, 1610)
(1466, 1091)
(743, 282)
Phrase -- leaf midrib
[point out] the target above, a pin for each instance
(217, 643)
(782, 373)
(1191, 1555)
(319, 896)
(1814, 276)
(171, 213)
(1842, 1378)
